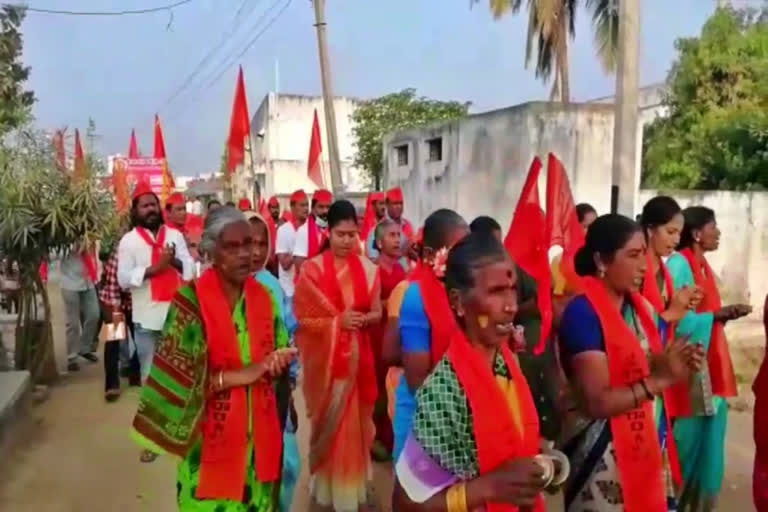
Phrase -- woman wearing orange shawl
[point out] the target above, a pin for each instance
(210, 395)
(337, 301)
(702, 412)
(616, 438)
(474, 442)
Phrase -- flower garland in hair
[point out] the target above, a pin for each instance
(439, 263)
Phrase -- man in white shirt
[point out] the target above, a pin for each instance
(286, 236)
(152, 262)
(311, 236)
(79, 273)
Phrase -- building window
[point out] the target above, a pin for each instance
(402, 155)
(435, 149)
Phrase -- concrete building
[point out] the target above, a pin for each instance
(650, 102)
(478, 165)
(280, 131)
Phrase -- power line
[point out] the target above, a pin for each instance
(236, 22)
(130, 12)
(230, 59)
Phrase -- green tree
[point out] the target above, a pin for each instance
(550, 23)
(716, 134)
(43, 212)
(15, 102)
(375, 118)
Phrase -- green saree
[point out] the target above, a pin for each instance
(172, 403)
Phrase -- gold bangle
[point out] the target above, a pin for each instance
(456, 499)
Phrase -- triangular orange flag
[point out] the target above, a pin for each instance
(239, 126)
(314, 170)
(563, 226)
(168, 184)
(79, 158)
(133, 149)
(528, 246)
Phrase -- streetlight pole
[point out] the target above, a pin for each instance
(626, 116)
(330, 112)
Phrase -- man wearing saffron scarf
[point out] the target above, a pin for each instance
(152, 261)
(394, 205)
(81, 304)
(375, 212)
(286, 239)
(311, 236)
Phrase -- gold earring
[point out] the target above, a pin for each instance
(601, 272)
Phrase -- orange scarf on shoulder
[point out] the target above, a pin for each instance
(224, 458)
(718, 355)
(498, 439)
(635, 438)
(442, 323)
(163, 286)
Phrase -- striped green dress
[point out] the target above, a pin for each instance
(180, 367)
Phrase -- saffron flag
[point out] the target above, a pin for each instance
(79, 157)
(168, 184)
(528, 246)
(120, 183)
(314, 170)
(133, 149)
(563, 226)
(239, 126)
(61, 154)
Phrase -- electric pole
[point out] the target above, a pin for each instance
(626, 115)
(330, 112)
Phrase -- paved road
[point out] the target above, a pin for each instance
(72, 454)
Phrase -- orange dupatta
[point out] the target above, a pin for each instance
(333, 363)
(718, 356)
(498, 439)
(442, 323)
(225, 436)
(163, 286)
(635, 438)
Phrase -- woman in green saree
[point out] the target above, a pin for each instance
(701, 423)
(210, 396)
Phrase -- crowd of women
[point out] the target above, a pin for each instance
(636, 371)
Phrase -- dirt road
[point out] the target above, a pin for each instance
(73, 454)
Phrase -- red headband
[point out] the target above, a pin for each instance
(142, 189)
(176, 198)
(378, 196)
(395, 195)
(244, 204)
(273, 201)
(299, 195)
(323, 196)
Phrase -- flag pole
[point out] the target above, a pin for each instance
(256, 186)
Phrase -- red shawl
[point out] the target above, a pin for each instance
(225, 430)
(635, 438)
(718, 356)
(497, 437)
(164, 284)
(89, 264)
(442, 323)
(315, 237)
(407, 228)
(390, 279)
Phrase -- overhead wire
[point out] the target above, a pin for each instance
(220, 70)
(126, 12)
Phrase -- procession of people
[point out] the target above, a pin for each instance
(423, 348)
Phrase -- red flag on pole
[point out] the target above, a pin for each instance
(133, 149)
(239, 126)
(61, 153)
(314, 170)
(79, 157)
(528, 246)
(563, 226)
(168, 184)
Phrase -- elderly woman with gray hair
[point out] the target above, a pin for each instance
(211, 395)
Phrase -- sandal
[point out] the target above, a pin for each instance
(112, 395)
(148, 456)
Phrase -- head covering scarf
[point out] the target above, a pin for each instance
(254, 215)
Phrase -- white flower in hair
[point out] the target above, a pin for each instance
(439, 263)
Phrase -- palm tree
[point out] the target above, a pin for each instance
(550, 22)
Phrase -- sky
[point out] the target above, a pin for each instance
(121, 70)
